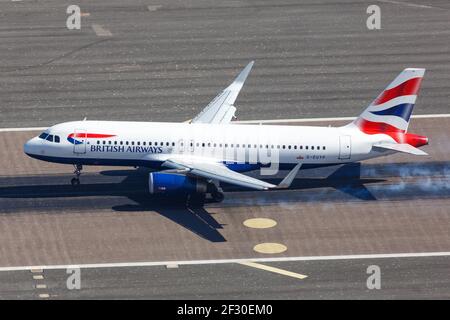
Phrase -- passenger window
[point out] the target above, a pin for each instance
(295, 147)
(301, 147)
(150, 143)
(126, 142)
(173, 144)
(144, 143)
(132, 143)
(138, 143)
(104, 142)
(98, 141)
(312, 147)
(167, 144)
(323, 148)
(289, 147)
(121, 142)
(57, 139)
(306, 147)
(109, 142)
(115, 142)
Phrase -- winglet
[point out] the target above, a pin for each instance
(221, 109)
(287, 181)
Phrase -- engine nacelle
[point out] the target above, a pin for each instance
(170, 183)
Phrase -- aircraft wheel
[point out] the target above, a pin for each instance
(75, 182)
(218, 196)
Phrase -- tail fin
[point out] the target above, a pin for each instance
(391, 110)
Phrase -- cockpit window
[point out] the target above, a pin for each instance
(50, 138)
(43, 135)
(57, 139)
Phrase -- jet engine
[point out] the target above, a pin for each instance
(175, 184)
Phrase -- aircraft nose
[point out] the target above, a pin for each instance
(32, 146)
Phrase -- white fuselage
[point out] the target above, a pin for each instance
(247, 146)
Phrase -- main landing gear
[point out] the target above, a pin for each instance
(76, 181)
(216, 192)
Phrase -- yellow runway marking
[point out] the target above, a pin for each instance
(44, 296)
(269, 247)
(260, 223)
(273, 269)
(38, 277)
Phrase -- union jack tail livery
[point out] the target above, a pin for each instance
(390, 112)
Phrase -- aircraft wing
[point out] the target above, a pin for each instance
(221, 109)
(216, 171)
(401, 147)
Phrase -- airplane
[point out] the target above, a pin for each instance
(193, 158)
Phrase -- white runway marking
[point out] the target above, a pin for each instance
(154, 7)
(274, 270)
(419, 116)
(407, 4)
(101, 31)
(219, 261)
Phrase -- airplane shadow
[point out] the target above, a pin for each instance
(132, 184)
(194, 218)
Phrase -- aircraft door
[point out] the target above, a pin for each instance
(79, 141)
(345, 147)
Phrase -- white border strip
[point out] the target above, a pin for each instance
(220, 261)
(22, 129)
(419, 116)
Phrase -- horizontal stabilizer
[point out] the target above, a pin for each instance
(401, 147)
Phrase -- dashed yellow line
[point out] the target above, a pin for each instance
(273, 269)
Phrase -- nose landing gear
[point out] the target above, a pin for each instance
(76, 181)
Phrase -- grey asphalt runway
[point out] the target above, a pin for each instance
(132, 62)
(405, 278)
(313, 58)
